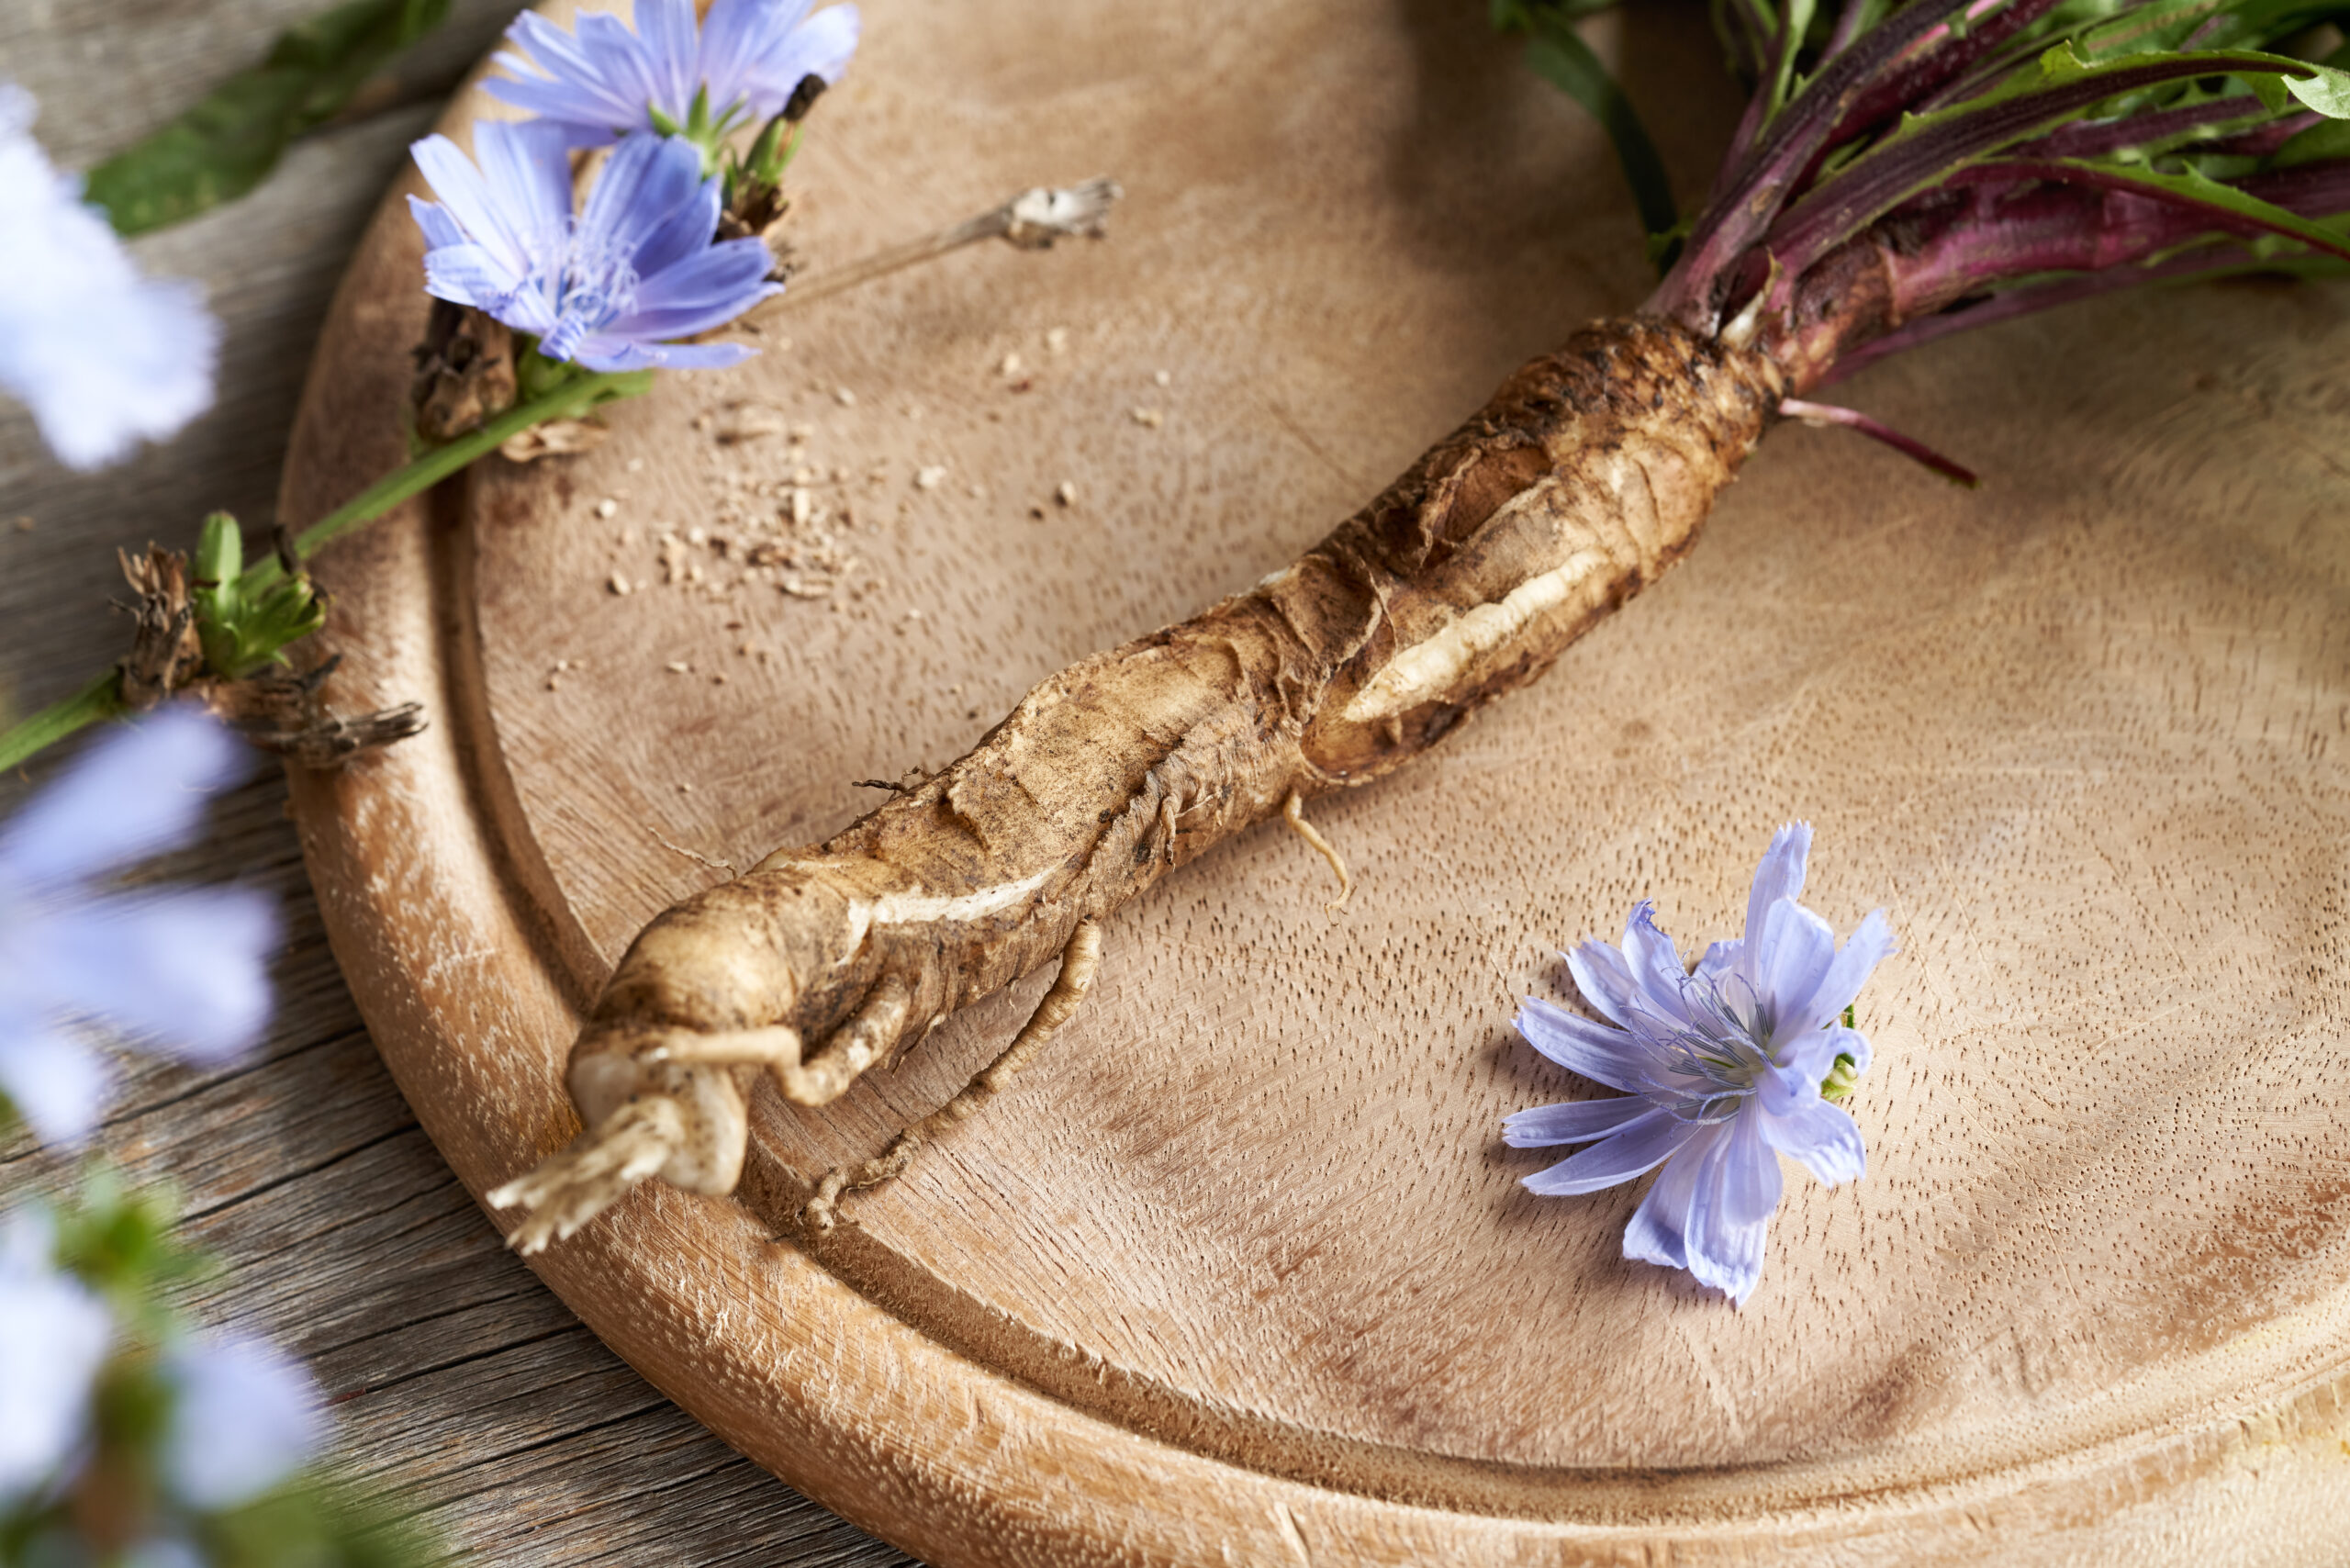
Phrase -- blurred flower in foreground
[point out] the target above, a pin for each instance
(179, 970)
(53, 1334)
(128, 1440)
(243, 1418)
(102, 356)
(608, 79)
(637, 268)
(1724, 1069)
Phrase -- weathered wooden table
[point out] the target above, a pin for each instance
(457, 1379)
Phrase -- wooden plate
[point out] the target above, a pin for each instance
(1240, 1272)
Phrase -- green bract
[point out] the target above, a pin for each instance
(243, 625)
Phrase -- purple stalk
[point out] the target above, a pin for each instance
(1845, 203)
(1740, 215)
(1853, 419)
(2200, 217)
(1848, 27)
(1937, 61)
(2095, 139)
(2032, 298)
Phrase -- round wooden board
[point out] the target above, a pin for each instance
(1239, 1272)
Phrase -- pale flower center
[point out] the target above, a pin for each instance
(599, 283)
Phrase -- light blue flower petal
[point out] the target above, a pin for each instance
(1737, 1187)
(820, 46)
(649, 325)
(1603, 1055)
(672, 53)
(612, 355)
(527, 168)
(1575, 1121)
(471, 275)
(182, 970)
(1655, 967)
(104, 357)
(1822, 1134)
(1718, 959)
(1778, 876)
(698, 356)
(1659, 1230)
(735, 37)
(684, 234)
(1851, 1043)
(1806, 1059)
(54, 1332)
(139, 790)
(624, 64)
(465, 197)
(557, 103)
(1637, 1148)
(58, 1085)
(728, 277)
(1784, 968)
(644, 182)
(1868, 946)
(244, 1417)
(439, 228)
(1605, 977)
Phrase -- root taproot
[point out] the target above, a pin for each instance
(1585, 477)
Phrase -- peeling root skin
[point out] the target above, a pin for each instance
(1583, 478)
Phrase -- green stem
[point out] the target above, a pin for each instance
(101, 699)
(567, 401)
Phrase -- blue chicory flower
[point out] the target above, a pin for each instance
(183, 970)
(103, 356)
(609, 289)
(609, 79)
(1722, 1070)
(244, 1417)
(54, 1333)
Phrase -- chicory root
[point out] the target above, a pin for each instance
(1583, 478)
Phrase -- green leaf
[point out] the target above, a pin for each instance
(2328, 92)
(1558, 54)
(228, 142)
(2327, 140)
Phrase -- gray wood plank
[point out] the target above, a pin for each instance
(458, 1380)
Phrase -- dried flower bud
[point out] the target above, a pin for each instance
(465, 373)
(166, 652)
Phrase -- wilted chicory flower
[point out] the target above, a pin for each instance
(1723, 1071)
(638, 267)
(609, 79)
(182, 970)
(101, 355)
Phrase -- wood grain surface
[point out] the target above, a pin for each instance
(1239, 1272)
(341, 1232)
